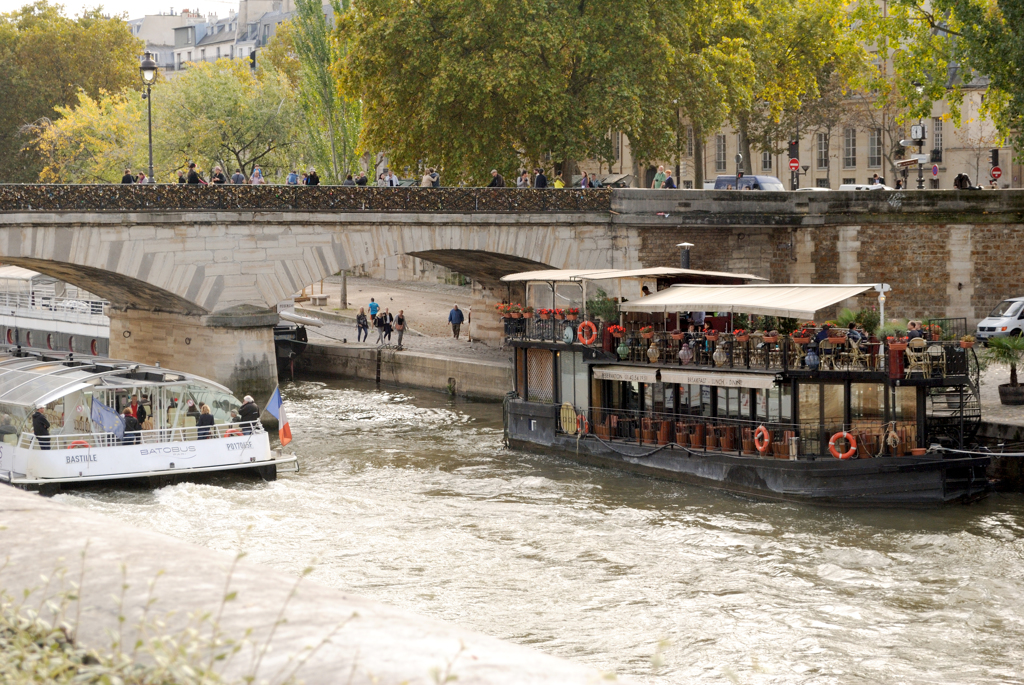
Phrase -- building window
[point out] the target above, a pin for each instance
(850, 148)
(822, 152)
(934, 183)
(766, 161)
(936, 133)
(218, 53)
(719, 152)
(688, 185)
(202, 55)
(689, 141)
(875, 149)
(189, 56)
(849, 181)
(823, 183)
(188, 36)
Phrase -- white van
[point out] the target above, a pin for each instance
(1007, 319)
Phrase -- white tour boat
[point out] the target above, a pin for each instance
(79, 397)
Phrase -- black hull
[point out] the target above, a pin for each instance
(906, 482)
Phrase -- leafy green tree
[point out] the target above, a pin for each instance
(47, 60)
(474, 84)
(220, 113)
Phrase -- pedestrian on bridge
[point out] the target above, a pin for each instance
(540, 180)
(497, 180)
(455, 318)
(127, 178)
(363, 327)
(238, 178)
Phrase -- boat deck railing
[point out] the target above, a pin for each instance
(735, 435)
(50, 307)
(142, 437)
(936, 359)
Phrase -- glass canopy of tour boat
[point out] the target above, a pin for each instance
(799, 301)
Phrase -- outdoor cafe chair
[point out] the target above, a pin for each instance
(917, 357)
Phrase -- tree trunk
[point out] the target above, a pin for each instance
(568, 168)
(698, 159)
(744, 145)
(1013, 376)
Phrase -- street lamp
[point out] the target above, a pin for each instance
(148, 69)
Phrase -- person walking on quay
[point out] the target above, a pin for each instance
(362, 326)
(131, 428)
(181, 177)
(248, 414)
(193, 175)
(293, 178)
(540, 180)
(659, 177)
(256, 178)
(41, 428)
(238, 178)
(455, 318)
(204, 422)
(378, 323)
(400, 326)
(497, 180)
(218, 177)
(386, 324)
(559, 183)
(669, 182)
(373, 307)
(312, 179)
(127, 178)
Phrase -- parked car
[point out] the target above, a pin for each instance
(1007, 319)
(812, 189)
(752, 182)
(864, 186)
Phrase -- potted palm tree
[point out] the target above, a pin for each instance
(1009, 352)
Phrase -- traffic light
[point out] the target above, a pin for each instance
(252, 60)
(794, 149)
(995, 156)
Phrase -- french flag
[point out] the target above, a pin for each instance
(276, 409)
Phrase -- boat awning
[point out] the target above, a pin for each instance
(626, 373)
(607, 274)
(721, 380)
(552, 275)
(794, 300)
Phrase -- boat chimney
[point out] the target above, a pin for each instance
(684, 255)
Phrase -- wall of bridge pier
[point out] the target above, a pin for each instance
(194, 274)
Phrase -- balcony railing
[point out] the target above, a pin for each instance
(937, 359)
(141, 437)
(38, 306)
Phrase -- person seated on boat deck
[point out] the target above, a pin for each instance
(204, 422)
(914, 331)
(138, 411)
(6, 427)
(131, 428)
(248, 414)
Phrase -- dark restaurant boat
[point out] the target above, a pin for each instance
(801, 417)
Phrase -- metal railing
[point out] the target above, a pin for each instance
(549, 330)
(49, 307)
(143, 437)
(735, 435)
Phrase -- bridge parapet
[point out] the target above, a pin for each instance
(163, 197)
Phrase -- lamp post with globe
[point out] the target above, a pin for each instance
(148, 68)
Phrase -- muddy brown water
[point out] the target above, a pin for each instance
(410, 498)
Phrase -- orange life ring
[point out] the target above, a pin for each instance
(587, 339)
(232, 431)
(848, 453)
(582, 425)
(762, 438)
(79, 443)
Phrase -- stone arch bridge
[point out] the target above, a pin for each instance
(194, 274)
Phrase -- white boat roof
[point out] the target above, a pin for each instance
(606, 274)
(799, 301)
(17, 273)
(35, 378)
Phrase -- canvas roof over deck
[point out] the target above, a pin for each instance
(793, 300)
(607, 274)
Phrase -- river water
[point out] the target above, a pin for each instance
(411, 499)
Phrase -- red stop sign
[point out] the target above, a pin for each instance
(794, 164)
(996, 172)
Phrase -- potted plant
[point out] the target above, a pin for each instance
(896, 343)
(836, 336)
(515, 311)
(711, 334)
(571, 313)
(502, 309)
(544, 314)
(559, 314)
(677, 334)
(803, 336)
(935, 330)
(647, 332)
(967, 342)
(616, 331)
(741, 335)
(527, 312)
(771, 337)
(1008, 352)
